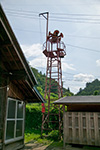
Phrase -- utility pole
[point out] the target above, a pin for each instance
(46, 16)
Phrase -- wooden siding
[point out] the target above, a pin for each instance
(82, 128)
(14, 92)
(3, 101)
(2, 113)
(15, 145)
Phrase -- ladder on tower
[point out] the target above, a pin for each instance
(54, 50)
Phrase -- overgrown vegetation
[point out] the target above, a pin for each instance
(33, 117)
(41, 85)
(33, 123)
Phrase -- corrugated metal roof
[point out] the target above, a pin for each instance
(79, 100)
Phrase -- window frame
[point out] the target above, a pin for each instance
(15, 119)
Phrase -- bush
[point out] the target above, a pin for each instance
(54, 135)
(33, 117)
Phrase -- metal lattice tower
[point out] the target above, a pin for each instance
(54, 50)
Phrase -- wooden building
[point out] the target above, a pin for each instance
(81, 121)
(17, 83)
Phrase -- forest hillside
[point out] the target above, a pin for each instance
(92, 88)
(41, 84)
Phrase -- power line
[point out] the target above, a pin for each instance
(30, 14)
(79, 47)
(77, 81)
(52, 4)
(93, 50)
(75, 21)
(60, 14)
(25, 30)
(68, 35)
(79, 36)
(81, 73)
(67, 14)
(23, 16)
(23, 11)
(53, 13)
(89, 19)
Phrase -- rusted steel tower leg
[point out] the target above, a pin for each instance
(42, 124)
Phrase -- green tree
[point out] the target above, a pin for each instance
(96, 92)
(41, 85)
(92, 88)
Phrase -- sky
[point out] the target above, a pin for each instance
(78, 20)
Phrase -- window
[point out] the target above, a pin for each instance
(15, 120)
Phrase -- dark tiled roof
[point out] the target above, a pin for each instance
(78, 100)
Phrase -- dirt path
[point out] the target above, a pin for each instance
(36, 146)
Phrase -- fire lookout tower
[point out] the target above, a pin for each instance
(54, 50)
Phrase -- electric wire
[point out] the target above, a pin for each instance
(79, 47)
(75, 21)
(40, 28)
(52, 4)
(67, 44)
(23, 16)
(72, 14)
(62, 14)
(31, 31)
(29, 15)
(79, 36)
(65, 18)
(68, 35)
(41, 38)
(24, 11)
(56, 20)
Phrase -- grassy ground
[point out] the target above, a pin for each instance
(34, 141)
(35, 135)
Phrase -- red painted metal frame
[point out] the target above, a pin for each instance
(54, 50)
(54, 69)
